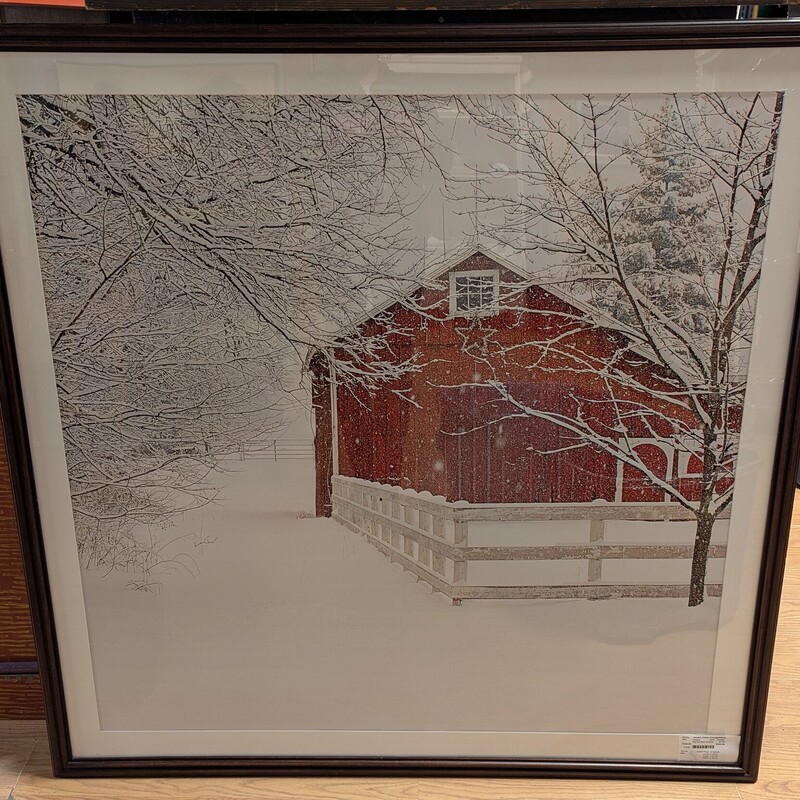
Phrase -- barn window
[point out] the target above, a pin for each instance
(476, 291)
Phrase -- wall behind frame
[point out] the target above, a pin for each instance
(20, 689)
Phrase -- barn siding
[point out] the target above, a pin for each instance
(443, 429)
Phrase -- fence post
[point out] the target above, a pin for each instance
(460, 538)
(437, 525)
(423, 553)
(368, 501)
(408, 519)
(394, 536)
(386, 511)
(596, 534)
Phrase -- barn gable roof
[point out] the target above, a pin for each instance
(441, 266)
(453, 260)
(552, 286)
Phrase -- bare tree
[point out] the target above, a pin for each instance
(656, 215)
(193, 249)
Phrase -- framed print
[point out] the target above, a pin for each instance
(402, 399)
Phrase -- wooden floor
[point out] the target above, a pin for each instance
(25, 767)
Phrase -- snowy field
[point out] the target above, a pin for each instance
(295, 622)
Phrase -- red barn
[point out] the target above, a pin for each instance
(489, 350)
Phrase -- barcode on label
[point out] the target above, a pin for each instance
(707, 747)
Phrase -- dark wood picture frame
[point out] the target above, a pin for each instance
(449, 36)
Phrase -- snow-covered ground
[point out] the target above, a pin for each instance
(295, 622)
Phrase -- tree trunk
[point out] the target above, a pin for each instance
(702, 539)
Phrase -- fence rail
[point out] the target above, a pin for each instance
(278, 450)
(430, 537)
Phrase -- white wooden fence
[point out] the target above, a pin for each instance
(278, 450)
(430, 537)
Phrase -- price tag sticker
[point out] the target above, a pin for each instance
(694, 747)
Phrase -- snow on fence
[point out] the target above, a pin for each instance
(278, 450)
(430, 537)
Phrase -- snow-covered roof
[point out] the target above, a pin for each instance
(436, 269)
(441, 266)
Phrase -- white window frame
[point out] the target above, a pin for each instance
(493, 308)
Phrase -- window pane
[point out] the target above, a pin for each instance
(473, 292)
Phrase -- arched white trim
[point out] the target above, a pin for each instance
(683, 465)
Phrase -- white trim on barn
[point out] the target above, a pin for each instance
(334, 393)
(493, 307)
